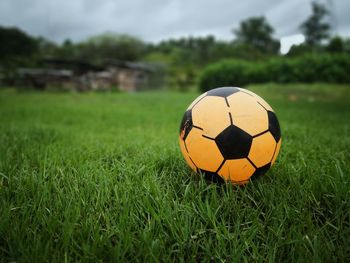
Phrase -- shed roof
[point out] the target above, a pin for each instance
(77, 64)
(129, 65)
(40, 71)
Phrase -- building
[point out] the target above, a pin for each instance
(135, 76)
(80, 75)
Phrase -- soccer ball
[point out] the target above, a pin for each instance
(230, 134)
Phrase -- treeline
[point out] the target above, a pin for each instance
(185, 58)
(319, 59)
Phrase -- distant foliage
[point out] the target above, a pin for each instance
(17, 49)
(336, 45)
(257, 33)
(112, 46)
(330, 68)
(315, 28)
(16, 43)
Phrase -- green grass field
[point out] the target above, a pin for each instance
(99, 177)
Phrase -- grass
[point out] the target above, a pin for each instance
(99, 177)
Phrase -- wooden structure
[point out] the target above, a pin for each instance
(130, 76)
(81, 75)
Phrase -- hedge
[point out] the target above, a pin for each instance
(330, 68)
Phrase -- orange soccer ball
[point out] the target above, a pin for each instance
(230, 134)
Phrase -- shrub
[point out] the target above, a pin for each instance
(312, 67)
(225, 73)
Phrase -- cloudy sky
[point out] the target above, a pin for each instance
(154, 20)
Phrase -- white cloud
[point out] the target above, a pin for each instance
(288, 41)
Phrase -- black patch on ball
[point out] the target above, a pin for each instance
(234, 143)
(260, 171)
(212, 176)
(222, 92)
(274, 126)
(186, 124)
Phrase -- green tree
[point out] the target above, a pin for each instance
(15, 43)
(298, 50)
(17, 49)
(257, 33)
(112, 46)
(315, 28)
(347, 45)
(47, 48)
(335, 45)
(67, 49)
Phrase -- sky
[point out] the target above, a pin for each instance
(156, 20)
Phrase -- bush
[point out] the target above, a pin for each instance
(313, 67)
(226, 73)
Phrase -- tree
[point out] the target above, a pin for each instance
(335, 45)
(17, 49)
(257, 33)
(15, 43)
(315, 28)
(67, 49)
(47, 48)
(298, 50)
(113, 46)
(347, 45)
